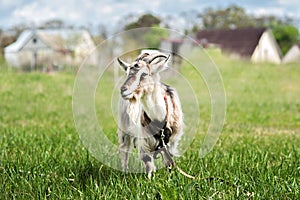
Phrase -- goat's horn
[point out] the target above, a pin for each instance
(157, 56)
(141, 57)
(124, 64)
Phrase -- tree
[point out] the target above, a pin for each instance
(286, 35)
(150, 35)
(5, 40)
(55, 23)
(147, 20)
(231, 17)
(153, 36)
(191, 21)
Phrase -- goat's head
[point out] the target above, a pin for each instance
(142, 74)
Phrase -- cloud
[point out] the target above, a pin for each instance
(41, 11)
(288, 2)
(33, 12)
(107, 9)
(6, 3)
(38, 12)
(111, 12)
(269, 11)
(77, 12)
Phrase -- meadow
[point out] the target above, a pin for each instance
(257, 155)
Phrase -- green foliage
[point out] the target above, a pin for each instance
(146, 20)
(151, 34)
(256, 156)
(230, 17)
(154, 35)
(53, 24)
(286, 35)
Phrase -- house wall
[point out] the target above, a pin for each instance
(293, 55)
(45, 57)
(267, 49)
(48, 57)
(12, 58)
(34, 43)
(85, 50)
(165, 46)
(177, 48)
(24, 56)
(51, 49)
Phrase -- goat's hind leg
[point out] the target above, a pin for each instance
(124, 148)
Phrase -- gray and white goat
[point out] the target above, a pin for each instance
(150, 114)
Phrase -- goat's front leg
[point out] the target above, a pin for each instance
(124, 148)
(148, 162)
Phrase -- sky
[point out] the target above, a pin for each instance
(110, 13)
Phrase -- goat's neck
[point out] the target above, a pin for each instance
(154, 103)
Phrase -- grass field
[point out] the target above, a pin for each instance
(257, 155)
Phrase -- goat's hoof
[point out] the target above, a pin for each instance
(168, 164)
(169, 168)
(149, 175)
(125, 169)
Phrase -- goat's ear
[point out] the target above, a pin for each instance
(159, 66)
(123, 64)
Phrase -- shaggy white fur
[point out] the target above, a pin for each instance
(143, 94)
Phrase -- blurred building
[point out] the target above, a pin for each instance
(256, 44)
(177, 47)
(51, 48)
(293, 55)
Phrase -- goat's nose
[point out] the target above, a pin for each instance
(123, 89)
(125, 92)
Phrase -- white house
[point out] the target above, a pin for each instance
(256, 44)
(47, 48)
(293, 55)
(267, 49)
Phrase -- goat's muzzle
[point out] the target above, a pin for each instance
(126, 93)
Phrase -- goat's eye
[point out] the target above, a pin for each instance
(136, 66)
(143, 75)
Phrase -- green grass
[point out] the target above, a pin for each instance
(257, 155)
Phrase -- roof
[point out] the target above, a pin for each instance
(22, 39)
(178, 40)
(172, 40)
(57, 39)
(241, 41)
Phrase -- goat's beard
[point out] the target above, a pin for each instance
(133, 110)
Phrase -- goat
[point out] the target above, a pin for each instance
(150, 114)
